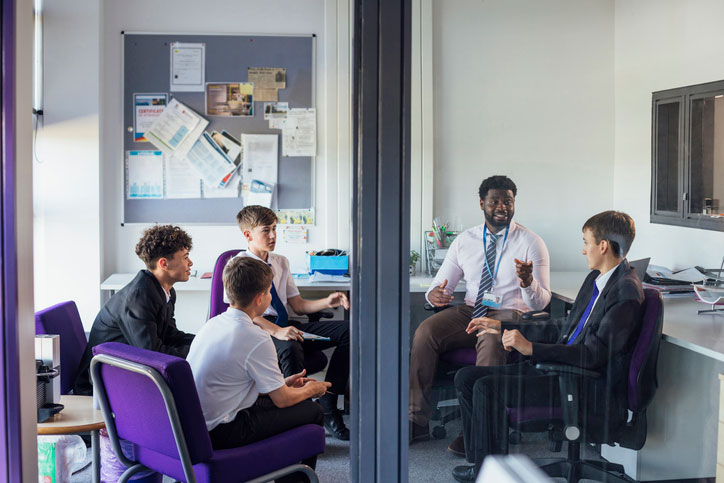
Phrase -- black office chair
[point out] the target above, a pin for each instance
(567, 423)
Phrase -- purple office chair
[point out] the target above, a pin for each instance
(63, 319)
(149, 399)
(566, 421)
(314, 361)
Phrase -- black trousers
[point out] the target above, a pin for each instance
(485, 392)
(291, 352)
(263, 420)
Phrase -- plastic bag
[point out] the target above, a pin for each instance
(112, 468)
(59, 457)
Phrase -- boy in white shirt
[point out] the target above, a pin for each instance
(258, 224)
(243, 394)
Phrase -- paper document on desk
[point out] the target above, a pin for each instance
(689, 275)
(308, 336)
(323, 277)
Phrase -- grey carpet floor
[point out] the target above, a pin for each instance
(429, 461)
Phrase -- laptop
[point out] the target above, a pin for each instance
(640, 266)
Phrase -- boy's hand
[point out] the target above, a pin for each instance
(297, 380)
(288, 333)
(524, 271)
(318, 388)
(440, 296)
(483, 325)
(336, 299)
(513, 339)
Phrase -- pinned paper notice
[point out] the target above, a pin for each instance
(188, 67)
(144, 174)
(294, 234)
(257, 193)
(176, 130)
(299, 133)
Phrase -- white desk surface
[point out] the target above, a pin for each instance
(420, 284)
(119, 280)
(703, 334)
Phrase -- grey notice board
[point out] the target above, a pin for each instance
(146, 69)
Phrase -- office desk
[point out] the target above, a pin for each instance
(78, 417)
(192, 306)
(119, 280)
(683, 417)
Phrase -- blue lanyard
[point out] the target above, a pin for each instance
(485, 253)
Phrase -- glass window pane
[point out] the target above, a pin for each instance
(707, 155)
(667, 157)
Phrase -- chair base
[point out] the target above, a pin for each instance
(287, 470)
(576, 470)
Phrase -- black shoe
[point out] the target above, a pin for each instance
(457, 447)
(334, 424)
(465, 473)
(419, 432)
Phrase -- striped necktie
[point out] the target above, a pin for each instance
(486, 279)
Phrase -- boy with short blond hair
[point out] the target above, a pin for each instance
(258, 224)
(244, 396)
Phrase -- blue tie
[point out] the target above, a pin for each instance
(584, 317)
(486, 281)
(276, 302)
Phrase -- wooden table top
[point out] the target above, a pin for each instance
(78, 416)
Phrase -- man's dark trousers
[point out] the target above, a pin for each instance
(490, 390)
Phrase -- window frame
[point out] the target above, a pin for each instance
(683, 215)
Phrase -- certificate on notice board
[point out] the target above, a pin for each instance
(188, 67)
(146, 109)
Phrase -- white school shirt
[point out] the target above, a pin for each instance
(283, 280)
(233, 361)
(465, 259)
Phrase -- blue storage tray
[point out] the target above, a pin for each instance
(331, 265)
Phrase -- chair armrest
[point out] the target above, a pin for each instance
(535, 315)
(433, 308)
(322, 314)
(563, 369)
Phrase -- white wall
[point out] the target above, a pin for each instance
(328, 19)
(525, 88)
(661, 44)
(66, 173)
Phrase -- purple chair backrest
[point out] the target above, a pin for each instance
(140, 412)
(217, 304)
(63, 319)
(642, 381)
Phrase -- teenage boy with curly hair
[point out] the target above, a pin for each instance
(141, 314)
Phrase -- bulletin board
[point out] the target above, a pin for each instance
(146, 69)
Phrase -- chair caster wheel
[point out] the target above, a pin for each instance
(515, 437)
(439, 432)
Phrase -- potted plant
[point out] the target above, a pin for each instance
(414, 257)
